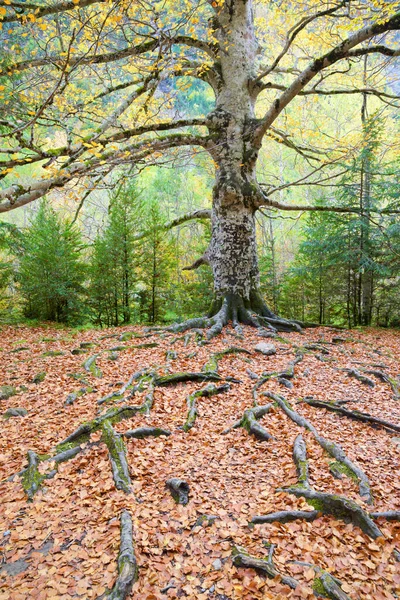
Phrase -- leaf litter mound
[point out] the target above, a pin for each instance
(260, 520)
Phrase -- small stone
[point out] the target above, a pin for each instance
(113, 356)
(266, 349)
(217, 565)
(15, 412)
(395, 441)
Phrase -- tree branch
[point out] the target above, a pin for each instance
(98, 59)
(341, 51)
(321, 92)
(21, 9)
(19, 195)
(197, 263)
(294, 32)
(197, 214)
(268, 203)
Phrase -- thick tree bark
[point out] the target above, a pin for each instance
(232, 253)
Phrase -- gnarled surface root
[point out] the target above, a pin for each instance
(241, 558)
(249, 421)
(117, 455)
(209, 390)
(179, 490)
(128, 570)
(239, 311)
(353, 414)
(343, 463)
(339, 506)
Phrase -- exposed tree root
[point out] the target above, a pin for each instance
(241, 558)
(84, 431)
(31, 478)
(118, 395)
(90, 366)
(170, 355)
(360, 377)
(175, 378)
(325, 585)
(282, 376)
(235, 309)
(209, 390)
(117, 455)
(179, 490)
(390, 515)
(128, 570)
(300, 460)
(249, 421)
(338, 506)
(386, 379)
(286, 516)
(316, 347)
(212, 364)
(14, 412)
(343, 464)
(352, 414)
(144, 432)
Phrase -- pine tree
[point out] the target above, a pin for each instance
(51, 271)
(10, 238)
(114, 259)
(157, 265)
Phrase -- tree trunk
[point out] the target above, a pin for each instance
(365, 206)
(232, 253)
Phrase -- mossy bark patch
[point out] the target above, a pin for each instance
(39, 377)
(6, 391)
(338, 506)
(90, 366)
(179, 490)
(117, 455)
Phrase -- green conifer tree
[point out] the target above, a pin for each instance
(51, 271)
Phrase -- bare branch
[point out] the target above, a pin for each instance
(268, 203)
(109, 57)
(321, 92)
(197, 263)
(338, 53)
(22, 9)
(90, 59)
(294, 32)
(197, 214)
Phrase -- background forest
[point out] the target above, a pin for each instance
(116, 261)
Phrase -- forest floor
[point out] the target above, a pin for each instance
(63, 541)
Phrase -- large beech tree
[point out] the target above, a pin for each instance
(83, 86)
